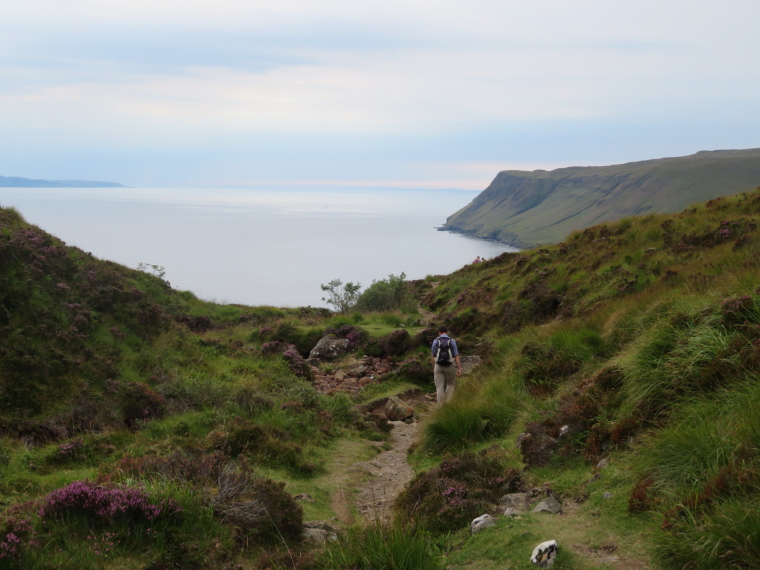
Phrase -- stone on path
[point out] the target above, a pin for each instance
(397, 410)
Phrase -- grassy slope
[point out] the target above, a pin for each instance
(109, 375)
(642, 337)
(540, 207)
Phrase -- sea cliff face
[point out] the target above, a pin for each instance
(527, 209)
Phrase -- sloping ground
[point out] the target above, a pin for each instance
(633, 342)
(528, 209)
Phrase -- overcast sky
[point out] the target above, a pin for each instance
(407, 93)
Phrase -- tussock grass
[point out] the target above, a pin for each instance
(378, 547)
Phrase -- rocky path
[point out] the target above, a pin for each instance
(390, 474)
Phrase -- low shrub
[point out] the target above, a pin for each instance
(263, 443)
(260, 508)
(187, 466)
(138, 402)
(463, 487)
(100, 502)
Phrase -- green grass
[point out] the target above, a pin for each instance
(378, 547)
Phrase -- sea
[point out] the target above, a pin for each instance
(256, 246)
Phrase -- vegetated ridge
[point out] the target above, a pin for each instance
(527, 209)
(142, 427)
(17, 182)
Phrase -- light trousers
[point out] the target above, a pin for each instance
(445, 378)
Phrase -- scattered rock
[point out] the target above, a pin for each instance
(545, 553)
(318, 536)
(607, 495)
(480, 523)
(517, 501)
(322, 525)
(510, 512)
(305, 497)
(548, 505)
(329, 348)
(397, 410)
(563, 430)
(357, 370)
(603, 463)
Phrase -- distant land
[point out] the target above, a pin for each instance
(528, 209)
(17, 182)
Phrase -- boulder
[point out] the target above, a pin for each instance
(329, 348)
(510, 512)
(517, 501)
(356, 370)
(318, 536)
(470, 362)
(305, 497)
(323, 525)
(483, 521)
(545, 553)
(397, 410)
(548, 505)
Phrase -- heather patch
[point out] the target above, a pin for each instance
(447, 498)
(100, 502)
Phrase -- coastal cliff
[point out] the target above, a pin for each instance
(528, 209)
(17, 182)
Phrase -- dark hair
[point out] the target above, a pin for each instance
(443, 329)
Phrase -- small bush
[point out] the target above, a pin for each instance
(463, 487)
(140, 403)
(100, 502)
(263, 443)
(259, 507)
(384, 295)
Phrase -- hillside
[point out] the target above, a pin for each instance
(17, 182)
(528, 209)
(143, 428)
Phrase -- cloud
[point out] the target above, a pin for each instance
(402, 81)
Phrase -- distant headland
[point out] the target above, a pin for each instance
(17, 182)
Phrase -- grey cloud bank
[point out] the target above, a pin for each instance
(430, 94)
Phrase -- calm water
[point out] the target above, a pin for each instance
(259, 247)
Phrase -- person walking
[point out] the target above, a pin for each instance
(445, 355)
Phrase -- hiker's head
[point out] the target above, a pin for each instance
(442, 329)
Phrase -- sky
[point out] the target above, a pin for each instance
(398, 93)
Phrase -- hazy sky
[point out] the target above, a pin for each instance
(396, 92)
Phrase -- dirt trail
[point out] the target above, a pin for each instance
(390, 474)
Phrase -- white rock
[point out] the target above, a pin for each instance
(545, 553)
(483, 521)
(510, 512)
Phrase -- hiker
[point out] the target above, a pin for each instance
(477, 260)
(445, 354)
